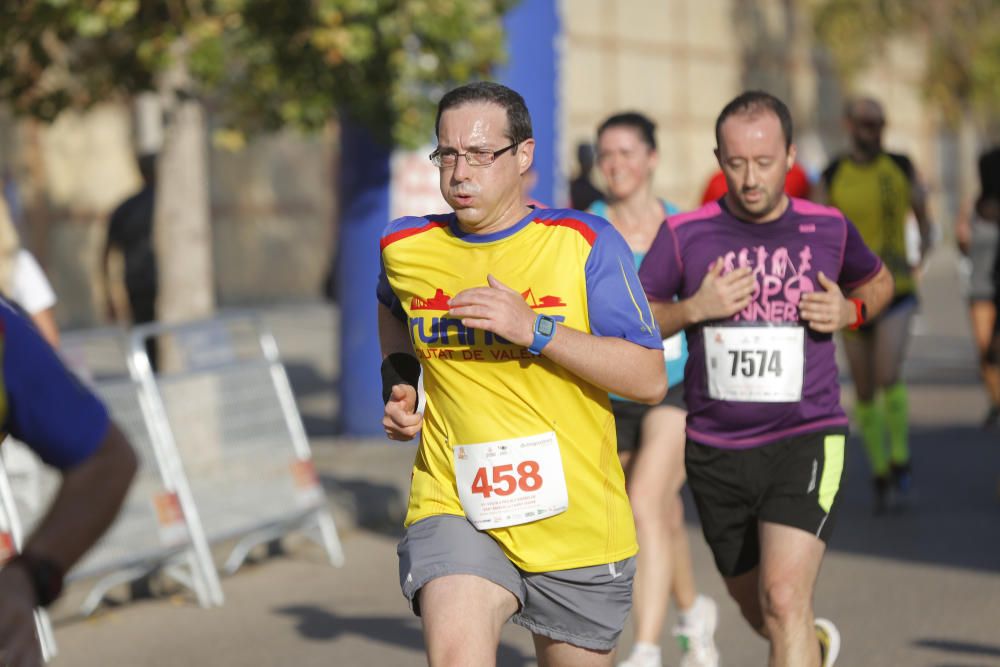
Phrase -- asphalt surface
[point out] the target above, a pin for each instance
(916, 588)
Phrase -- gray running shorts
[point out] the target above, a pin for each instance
(585, 606)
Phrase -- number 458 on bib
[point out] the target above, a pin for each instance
(510, 482)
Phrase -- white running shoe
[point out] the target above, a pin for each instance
(829, 641)
(643, 656)
(697, 634)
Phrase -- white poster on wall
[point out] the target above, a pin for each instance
(414, 188)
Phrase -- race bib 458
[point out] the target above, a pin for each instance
(510, 482)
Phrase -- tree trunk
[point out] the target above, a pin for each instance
(183, 233)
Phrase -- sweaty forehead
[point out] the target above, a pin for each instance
(473, 124)
(751, 131)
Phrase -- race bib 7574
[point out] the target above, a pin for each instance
(755, 364)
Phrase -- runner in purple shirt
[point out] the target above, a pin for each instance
(785, 259)
(760, 281)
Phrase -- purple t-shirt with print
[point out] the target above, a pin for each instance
(786, 256)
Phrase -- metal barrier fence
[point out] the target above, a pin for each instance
(222, 454)
(156, 529)
(223, 396)
(11, 541)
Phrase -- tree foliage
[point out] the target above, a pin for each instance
(260, 64)
(962, 39)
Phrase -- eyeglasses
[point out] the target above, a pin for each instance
(477, 158)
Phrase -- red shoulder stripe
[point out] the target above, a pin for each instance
(585, 230)
(405, 233)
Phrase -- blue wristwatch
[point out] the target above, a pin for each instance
(544, 329)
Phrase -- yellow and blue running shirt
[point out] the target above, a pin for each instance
(481, 388)
(876, 197)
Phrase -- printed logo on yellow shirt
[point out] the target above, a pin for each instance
(449, 331)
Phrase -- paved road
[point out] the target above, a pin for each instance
(915, 589)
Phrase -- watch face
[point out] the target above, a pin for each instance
(546, 326)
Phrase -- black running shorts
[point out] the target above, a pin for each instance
(629, 416)
(793, 482)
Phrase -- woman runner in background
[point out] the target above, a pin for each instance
(651, 438)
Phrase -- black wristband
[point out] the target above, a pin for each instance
(399, 368)
(46, 577)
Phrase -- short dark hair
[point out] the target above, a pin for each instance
(753, 102)
(518, 118)
(851, 105)
(635, 120)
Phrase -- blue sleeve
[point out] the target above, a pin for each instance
(398, 229)
(386, 296)
(615, 298)
(47, 407)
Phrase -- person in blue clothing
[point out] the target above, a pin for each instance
(651, 438)
(43, 405)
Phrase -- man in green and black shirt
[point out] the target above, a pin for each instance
(878, 190)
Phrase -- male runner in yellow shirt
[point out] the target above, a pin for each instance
(877, 190)
(522, 321)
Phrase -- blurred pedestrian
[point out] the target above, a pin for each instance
(651, 438)
(45, 407)
(130, 231)
(23, 281)
(877, 190)
(582, 191)
(978, 234)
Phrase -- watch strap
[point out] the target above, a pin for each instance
(540, 340)
(859, 314)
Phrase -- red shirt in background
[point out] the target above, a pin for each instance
(796, 185)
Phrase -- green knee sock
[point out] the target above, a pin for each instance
(897, 417)
(871, 423)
